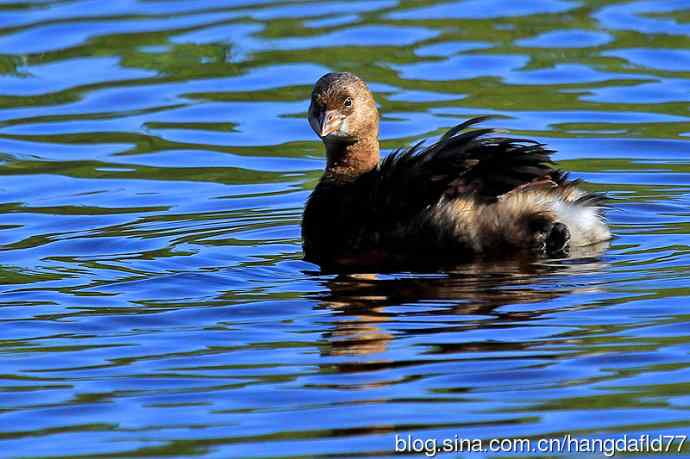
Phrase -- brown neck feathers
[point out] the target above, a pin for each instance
(350, 160)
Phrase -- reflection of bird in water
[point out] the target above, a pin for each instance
(363, 304)
(469, 195)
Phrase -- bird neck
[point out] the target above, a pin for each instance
(351, 160)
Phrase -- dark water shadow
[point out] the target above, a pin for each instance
(364, 303)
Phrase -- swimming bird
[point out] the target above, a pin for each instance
(471, 195)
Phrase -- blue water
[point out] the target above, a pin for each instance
(155, 159)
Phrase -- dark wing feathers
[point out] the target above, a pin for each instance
(462, 126)
(593, 200)
(462, 161)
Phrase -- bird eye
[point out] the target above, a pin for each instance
(348, 102)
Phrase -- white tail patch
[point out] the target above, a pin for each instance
(585, 223)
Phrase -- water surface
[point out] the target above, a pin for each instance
(155, 159)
